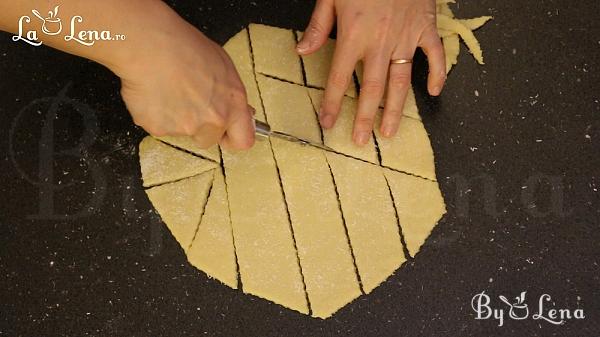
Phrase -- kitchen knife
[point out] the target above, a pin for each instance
(263, 130)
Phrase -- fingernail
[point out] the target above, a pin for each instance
(326, 120)
(361, 138)
(302, 46)
(388, 131)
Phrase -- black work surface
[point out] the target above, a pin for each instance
(516, 144)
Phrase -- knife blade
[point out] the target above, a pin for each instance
(264, 130)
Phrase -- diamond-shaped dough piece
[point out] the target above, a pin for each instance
(275, 53)
(409, 150)
(212, 251)
(161, 163)
(181, 205)
(262, 232)
(238, 48)
(420, 206)
(339, 137)
(318, 64)
(289, 109)
(187, 143)
(370, 218)
(325, 256)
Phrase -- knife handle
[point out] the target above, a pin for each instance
(263, 129)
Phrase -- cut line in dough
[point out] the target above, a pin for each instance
(161, 163)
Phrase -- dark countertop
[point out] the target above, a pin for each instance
(81, 253)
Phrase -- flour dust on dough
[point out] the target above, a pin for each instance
(308, 229)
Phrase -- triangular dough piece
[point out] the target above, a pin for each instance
(161, 163)
(275, 53)
(262, 232)
(181, 205)
(187, 143)
(420, 206)
(409, 150)
(318, 64)
(339, 137)
(289, 109)
(212, 251)
(238, 48)
(370, 218)
(325, 256)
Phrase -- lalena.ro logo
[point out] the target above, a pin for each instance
(519, 310)
(53, 25)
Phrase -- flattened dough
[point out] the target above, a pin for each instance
(161, 163)
(275, 53)
(370, 218)
(409, 150)
(318, 64)
(261, 228)
(212, 251)
(339, 137)
(325, 255)
(181, 205)
(289, 109)
(420, 206)
(238, 48)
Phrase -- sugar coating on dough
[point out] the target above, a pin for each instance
(275, 53)
(263, 239)
(370, 218)
(325, 256)
(409, 150)
(420, 206)
(318, 64)
(212, 250)
(161, 163)
(187, 143)
(181, 205)
(289, 109)
(339, 137)
(238, 48)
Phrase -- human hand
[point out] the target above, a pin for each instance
(180, 83)
(375, 31)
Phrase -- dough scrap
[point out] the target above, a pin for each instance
(420, 206)
(339, 137)
(181, 205)
(325, 256)
(212, 251)
(448, 23)
(238, 48)
(263, 239)
(275, 53)
(187, 143)
(452, 49)
(318, 64)
(161, 163)
(409, 150)
(370, 218)
(289, 109)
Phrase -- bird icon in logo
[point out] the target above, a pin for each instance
(52, 25)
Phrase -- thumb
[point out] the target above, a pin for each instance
(318, 29)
